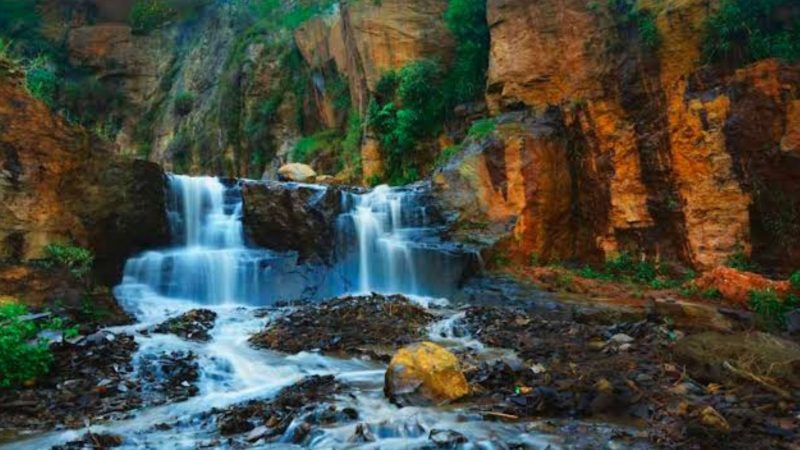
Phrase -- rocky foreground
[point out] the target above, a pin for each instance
(665, 387)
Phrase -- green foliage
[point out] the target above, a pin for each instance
(350, 155)
(624, 268)
(309, 147)
(41, 80)
(257, 133)
(78, 260)
(184, 103)
(23, 357)
(18, 18)
(770, 310)
(89, 102)
(409, 107)
(147, 15)
(482, 128)
(447, 154)
(794, 280)
(628, 14)
(739, 260)
(466, 80)
(291, 15)
(743, 31)
(338, 89)
(181, 154)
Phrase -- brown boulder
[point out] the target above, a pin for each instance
(425, 373)
(289, 217)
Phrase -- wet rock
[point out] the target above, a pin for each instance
(306, 402)
(84, 382)
(169, 377)
(368, 326)
(193, 325)
(92, 441)
(291, 217)
(300, 173)
(447, 438)
(711, 418)
(716, 357)
(425, 373)
(362, 434)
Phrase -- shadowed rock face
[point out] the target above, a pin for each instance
(292, 217)
(58, 184)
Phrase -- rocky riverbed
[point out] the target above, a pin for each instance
(638, 384)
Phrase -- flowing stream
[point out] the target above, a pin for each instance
(387, 247)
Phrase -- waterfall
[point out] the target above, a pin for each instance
(389, 243)
(209, 262)
(386, 242)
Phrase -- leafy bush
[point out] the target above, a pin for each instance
(350, 155)
(89, 102)
(18, 17)
(23, 357)
(466, 19)
(291, 15)
(184, 102)
(78, 260)
(408, 107)
(310, 147)
(447, 154)
(147, 15)
(739, 260)
(482, 128)
(41, 80)
(770, 310)
(794, 280)
(624, 268)
(258, 136)
(628, 15)
(748, 30)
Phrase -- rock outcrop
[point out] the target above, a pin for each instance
(626, 146)
(59, 184)
(287, 217)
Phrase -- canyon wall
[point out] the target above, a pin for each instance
(60, 184)
(608, 144)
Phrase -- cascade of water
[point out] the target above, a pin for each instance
(209, 262)
(388, 244)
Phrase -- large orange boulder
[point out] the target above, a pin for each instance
(735, 286)
(425, 373)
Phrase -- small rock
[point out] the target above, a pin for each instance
(711, 418)
(257, 433)
(362, 434)
(620, 338)
(447, 438)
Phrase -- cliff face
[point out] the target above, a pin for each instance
(655, 153)
(60, 185)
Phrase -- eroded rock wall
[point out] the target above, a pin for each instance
(59, 184)
(657, 154)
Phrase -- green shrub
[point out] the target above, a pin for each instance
(794, 279)
(466, 19)
(625, 268)
(482, 128)
(309, 147)
(41, 80)
(78, 260)
(350, 155)
(291, 15)
(409, 107)
(184, 103)
(23, 357)
(628, 15)
(770, 310)
(739, 260)
(18, 17)
(147, 15)
(743, 31)
(447, 154)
